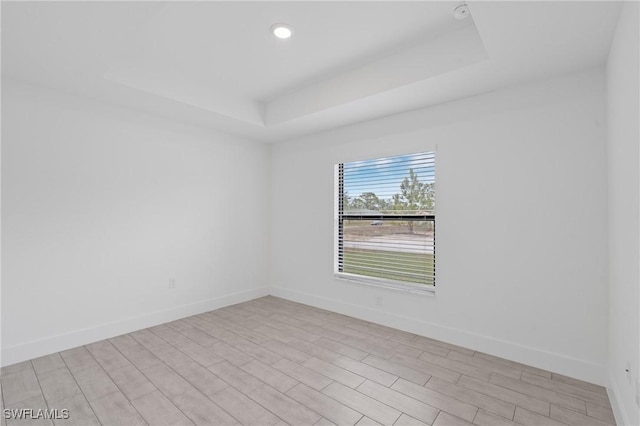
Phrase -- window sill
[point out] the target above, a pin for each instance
(388, 284)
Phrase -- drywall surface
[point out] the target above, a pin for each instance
(521, 242)
(103, 206)
(622, 152)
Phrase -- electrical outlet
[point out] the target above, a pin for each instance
(628, 370)
(172, 283)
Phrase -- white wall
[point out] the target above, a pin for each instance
(521, 223)
(102, 205)
(623, 137)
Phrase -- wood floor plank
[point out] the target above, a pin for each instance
(78, 359)
(315, 350)
(244, 409)
(397, 369)
(203, 338)
(405, 420)
(167, 380)
(445, 419)
(201, 378)
(170, 355)
(370, 407)
(375, 333)
(200, 354)
(334, 372)
(400, 401)
(115, 409)
(349, 332)
(258, 352)
(396, 347)
(201, 410)
(94, 382)
(132, 382)
(229, 353)
(578, 392)
(136, 353)
(457, 366)
(421, 345)
(369, 347)
(601, 413)
(491, 366)
(529, 418)
(274, 333)
(579, 383)
(325, 406)
(15, 368)
(19, 386)
(283, 406)
(295, 332)
(156, 409)
(523, 367)
(543, 394)
(436, 399)
(324, 332)
(574, 418)
(428, 341)
(287, 351)
(48, 363)
(148, 339)
(80, 412)
(107, 355)
(209, 328)
(325, 422)
(236, 377)
(286, 319)
(366, 371)
(34, 403)
(506, 395)
(484, 418)
(366, 421)
(302, 374)
(480, 400)
(427, 368)
(58, 384)
(179, 325)
(342, 349)
(270, 375)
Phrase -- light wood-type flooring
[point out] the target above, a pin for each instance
(274, 362)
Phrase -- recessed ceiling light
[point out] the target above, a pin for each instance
(282, 30)
(461, 11)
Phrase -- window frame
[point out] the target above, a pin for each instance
(340, 217)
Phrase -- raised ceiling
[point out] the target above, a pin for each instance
(216, 64)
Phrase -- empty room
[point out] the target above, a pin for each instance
(320, 213)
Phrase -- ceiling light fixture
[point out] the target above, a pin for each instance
(282, 31)
(461, 11)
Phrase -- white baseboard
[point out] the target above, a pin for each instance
(558, 363)
(61, 342)
(615, 399)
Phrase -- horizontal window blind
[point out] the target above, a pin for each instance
(386, 218)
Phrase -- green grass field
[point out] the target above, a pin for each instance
(399, 266)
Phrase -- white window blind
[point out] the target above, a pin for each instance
(386, 219)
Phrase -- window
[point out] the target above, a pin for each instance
(385, 221)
